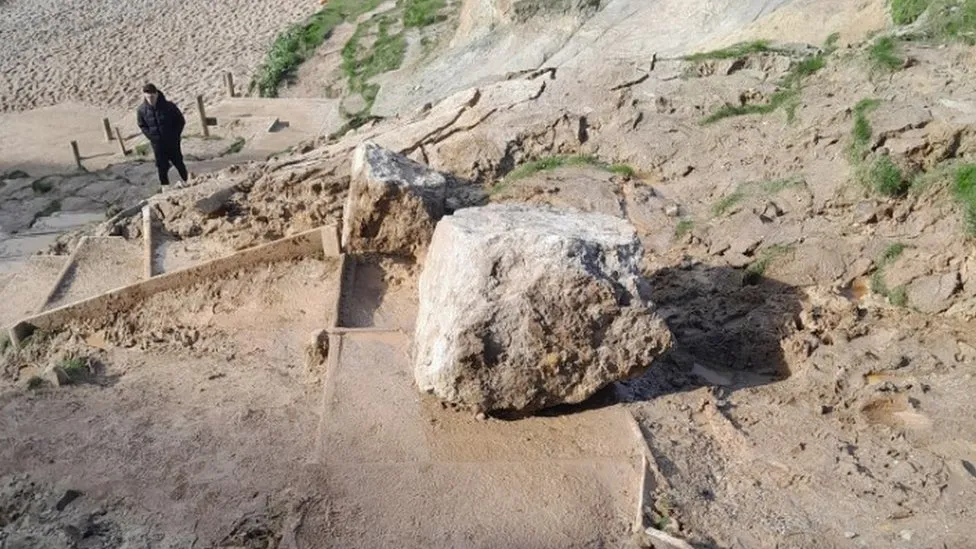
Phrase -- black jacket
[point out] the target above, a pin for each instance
(161, 123)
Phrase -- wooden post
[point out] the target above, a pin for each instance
(203, 116)
(229, 83)
(118, 135)
(107, 126)
(74, 150)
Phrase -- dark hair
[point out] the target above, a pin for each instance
(149, 88)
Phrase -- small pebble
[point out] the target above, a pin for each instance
(850, 535)
(480, 416)
(906, 535)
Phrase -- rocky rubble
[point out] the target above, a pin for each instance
(524, 308)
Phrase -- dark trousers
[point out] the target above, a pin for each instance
(168, 151)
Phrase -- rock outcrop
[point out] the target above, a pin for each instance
(524, 308)
(393, 203)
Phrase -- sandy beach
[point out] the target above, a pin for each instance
(101, 51)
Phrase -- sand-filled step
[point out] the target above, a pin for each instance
(98, 264)
(25, 291)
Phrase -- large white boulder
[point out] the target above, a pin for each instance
(522, 308)
(393, 204)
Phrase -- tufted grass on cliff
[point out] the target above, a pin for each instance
(421, 13)
(905, 12)
(360, 65)
(734, 51)
(297, 43)
(964, 190)
(883, 55)
(945, 20)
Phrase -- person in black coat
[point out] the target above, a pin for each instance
(162, 123)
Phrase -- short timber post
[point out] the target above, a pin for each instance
(118, 135)
(203, 116)
(107, 126)
(229, 83)
(77, 155)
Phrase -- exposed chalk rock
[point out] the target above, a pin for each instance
(393, 203)
(523, 308)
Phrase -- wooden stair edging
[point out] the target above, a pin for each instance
(320, 242)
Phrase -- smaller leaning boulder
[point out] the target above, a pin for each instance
(393, 205)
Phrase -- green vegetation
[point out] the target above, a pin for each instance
(623, 170)
(880, 174)
(684, 227)
(726, 202)
(421, 13)
(360, 64)
(732, 52)
(830, 45)
(754, 188)
(788, 96)
(297, 43)
(964, 189)
(883, 55)
(236, 147)
(861, 134)
(757, 268)
(953, 21)
(779, 99)
(42, 185)
(142, 149)
(76, 369)
(905, 12)
(886, 178)
(947, 21)
(554, 162)
(896, 296)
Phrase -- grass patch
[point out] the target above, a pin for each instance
(964, 190)
(236, 147)
(684, 227)
(421, 13)
(778, 99)
(788, 96)
(623, 170)
(386, 54)
(42, 186)
(884, 177)
(883, 55)
(76, 369)
(754, 188)
(955, 21)
(756, 269)
(726, 202)
(896, 296)
(905, 12)
(732, 52)
(142, 149)
(861, 133)
(830, 45)
(551, 163)
(297, 43)
(880, 174)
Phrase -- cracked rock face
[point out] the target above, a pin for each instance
(525, 308)
(393, 203)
